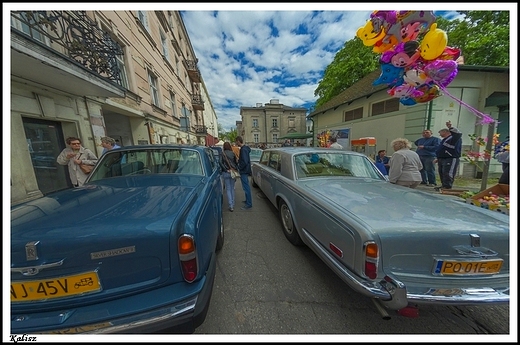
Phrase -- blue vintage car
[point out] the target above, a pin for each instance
(131, 251)
(400, 246)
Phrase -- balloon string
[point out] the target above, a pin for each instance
(485, 118)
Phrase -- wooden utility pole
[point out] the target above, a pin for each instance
(489, 148)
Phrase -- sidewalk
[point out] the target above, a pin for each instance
(462, 185)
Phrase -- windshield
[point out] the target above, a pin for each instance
(335, 164)
(147, 161)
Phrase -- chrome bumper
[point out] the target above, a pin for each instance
(394, 295)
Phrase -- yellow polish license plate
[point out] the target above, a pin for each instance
(454, 267)
(78, 284)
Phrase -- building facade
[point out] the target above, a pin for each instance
(367, 111)
(130, 75)
(270, 123)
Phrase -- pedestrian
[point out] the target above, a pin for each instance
(426, 149)
(228, 161)
(73, 156)
(448, 155)
(236, 150)
(334, 143)
(383, 162)
(244, 168)
(287, 143)
(405, 164)
(502, 153)
(108, 144)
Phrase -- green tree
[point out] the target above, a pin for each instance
(351, 63)
(482, 37)
(227, 136)
(232, 135)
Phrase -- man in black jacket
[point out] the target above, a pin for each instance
(448, 155)
(244, 167)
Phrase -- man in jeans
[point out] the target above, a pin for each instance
(426, 148)
(244, 168)
(448, 155)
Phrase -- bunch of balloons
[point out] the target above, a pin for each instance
(416, 62)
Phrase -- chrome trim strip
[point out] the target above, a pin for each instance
(34, 270)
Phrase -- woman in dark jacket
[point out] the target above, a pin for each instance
(228, 161)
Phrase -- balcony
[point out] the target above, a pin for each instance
(64, 50)
(201, 130)
(197, 102)
(193, 70)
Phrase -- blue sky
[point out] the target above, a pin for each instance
(252, 54)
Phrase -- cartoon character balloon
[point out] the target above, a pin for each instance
(416, 62)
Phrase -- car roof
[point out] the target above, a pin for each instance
(308, 149)
(161, 146)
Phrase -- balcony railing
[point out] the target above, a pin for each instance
(197, 102)
(201, 130)
(73, 35)
(193, 70)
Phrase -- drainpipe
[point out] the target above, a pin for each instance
(90, 124)
(313, 139)
(265, 122)
(430, 112)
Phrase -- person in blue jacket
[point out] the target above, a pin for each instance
(244, 168)
(426, 149)
(448, 155)
(383, 162)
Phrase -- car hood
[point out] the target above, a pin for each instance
(127, 235)
(388, 207)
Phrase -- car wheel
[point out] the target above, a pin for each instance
(253, 183)
(289, 229)
(220, 238)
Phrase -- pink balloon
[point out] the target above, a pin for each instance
(442, 72)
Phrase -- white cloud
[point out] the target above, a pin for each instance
(249, 57)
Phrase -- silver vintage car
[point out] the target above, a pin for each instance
(402, 247)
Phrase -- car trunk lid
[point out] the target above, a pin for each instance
(117, 236)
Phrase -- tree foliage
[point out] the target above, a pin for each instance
(351, 63)
(482, 37)
(227, 136)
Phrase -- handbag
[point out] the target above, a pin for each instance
(86, 168)
(234, 173)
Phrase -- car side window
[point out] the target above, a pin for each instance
(274, 161)
(264, 159)
(212, 159)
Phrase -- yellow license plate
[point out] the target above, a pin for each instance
(54, 288)
(453, 267)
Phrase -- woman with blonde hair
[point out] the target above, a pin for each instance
(405, 164)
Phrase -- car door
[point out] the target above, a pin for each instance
(269, 176)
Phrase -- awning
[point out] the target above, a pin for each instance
(498, 99)
(297, 136)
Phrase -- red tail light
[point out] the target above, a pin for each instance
(371, 259)
(188, 257)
